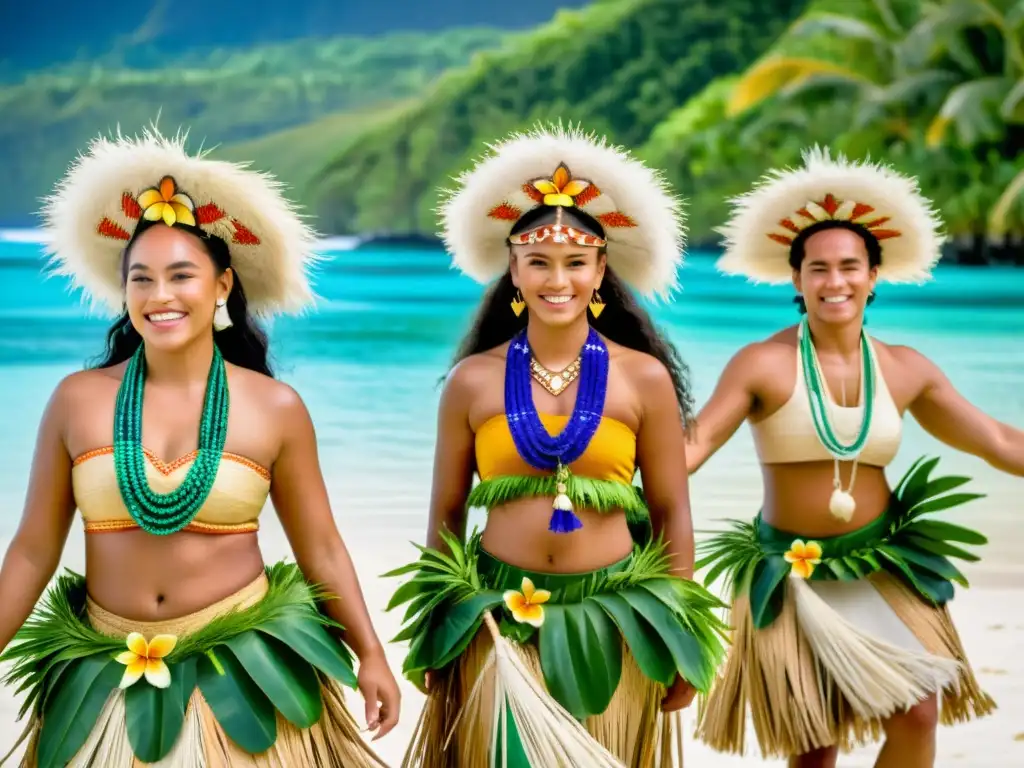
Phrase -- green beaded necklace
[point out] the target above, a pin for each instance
(842, 503)
(165, 513)
(818, 398)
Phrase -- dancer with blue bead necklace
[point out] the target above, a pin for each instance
(567, 633)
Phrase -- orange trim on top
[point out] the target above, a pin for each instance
(113, 526)
(166, 468)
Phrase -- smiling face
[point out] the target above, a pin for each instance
(557, 280)
(835, 276)
(172, 287)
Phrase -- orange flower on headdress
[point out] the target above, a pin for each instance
(561, 188)
(803, 558)
(165, 202)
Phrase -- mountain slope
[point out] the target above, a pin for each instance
(223, 97)
(619, 66)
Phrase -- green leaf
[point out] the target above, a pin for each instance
(945, 484)
(941, 548)
(929, 586)
(937, 564)
(315, 644)
(451, 629)
(154, 716)
(289, 681)
(944, 502)
(766, 595)
(841, 570)
(648, 648)
(911, 487)
(856, 566)
(415, 587)
(242, 709)
(72, 710)
(687, 653)
(581, 657)
(941, 530)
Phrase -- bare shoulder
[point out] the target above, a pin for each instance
(81, 387)
(476, 371)
(905, 364)
(769, 354)
(647, 374)
(267, 394)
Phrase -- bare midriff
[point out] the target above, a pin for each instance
(517, 533)
(796, 497)
(143, 577)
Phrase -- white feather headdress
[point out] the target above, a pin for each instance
(118, 182)
(766, 220)
(643, 222)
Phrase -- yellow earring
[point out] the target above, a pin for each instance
(596, 305)
(518, 305)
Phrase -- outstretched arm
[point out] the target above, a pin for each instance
(300, 498)
(34, 552)
(730, 404)
(453, 461)
(948, 416)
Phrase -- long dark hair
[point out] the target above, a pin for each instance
(244, 344)
(623, 321)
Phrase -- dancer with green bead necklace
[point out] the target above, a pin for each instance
(840, 629)
(179, 646)
(568, 631)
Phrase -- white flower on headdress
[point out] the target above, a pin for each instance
(165, 202)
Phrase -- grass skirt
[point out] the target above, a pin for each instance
(233, 697)
(832, 637)
(540, 670)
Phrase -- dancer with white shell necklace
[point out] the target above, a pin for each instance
(841, 634)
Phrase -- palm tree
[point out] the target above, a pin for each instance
(940, 65)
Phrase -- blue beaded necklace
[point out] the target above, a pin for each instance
(535, 445)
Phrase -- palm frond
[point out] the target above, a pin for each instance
(998, 219)
(969, 107)
(771, 76)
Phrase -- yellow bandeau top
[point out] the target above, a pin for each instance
(611, 454)
(788, 435)
(236, 499)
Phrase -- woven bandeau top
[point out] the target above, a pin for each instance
(788, 435)
(236, 499)
(611, 454)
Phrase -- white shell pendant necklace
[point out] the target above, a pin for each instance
(841, 504)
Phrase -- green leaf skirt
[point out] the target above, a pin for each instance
(257, 673)
(627, 625)
(831, 636)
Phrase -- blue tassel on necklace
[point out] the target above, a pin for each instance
(563, 519)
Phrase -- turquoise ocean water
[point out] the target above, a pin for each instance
(368, 358)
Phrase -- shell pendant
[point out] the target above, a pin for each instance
(842, 505)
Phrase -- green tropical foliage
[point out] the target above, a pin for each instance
(942, 83)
